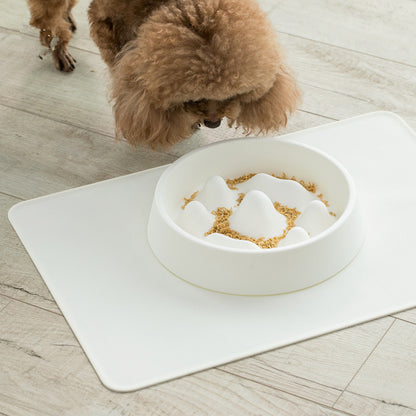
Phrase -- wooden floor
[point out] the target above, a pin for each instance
(350, 57)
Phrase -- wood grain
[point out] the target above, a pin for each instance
(318, 369)
(19, 278)
(389, 374)
(40, 156)
(78, 98)
(378, 27)
(372, 82)
(44, 372)
(361, 405)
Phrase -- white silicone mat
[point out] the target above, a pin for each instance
(140, 325)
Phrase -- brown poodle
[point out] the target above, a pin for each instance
(178, 63)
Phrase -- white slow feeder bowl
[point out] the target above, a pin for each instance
(255, 272)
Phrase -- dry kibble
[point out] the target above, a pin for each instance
(321, 197)
(188, 200)
(240, 198)
(221, 223)
(233, 182)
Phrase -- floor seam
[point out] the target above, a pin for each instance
(285, 392)
(71, 46)
(65, 123)
(336, 46)
(57, 121)
(4, 307)
(295, 376)
(319, 115)
(12, 196)
(335, 92)
(90, 130)
(278, 31)
(403, 320)
(365, 360)
(30, 304)
(347, 49)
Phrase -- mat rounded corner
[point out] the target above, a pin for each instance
(14, 210)
(391, 115)
(118, 383)
(114, 387)
(118, 387)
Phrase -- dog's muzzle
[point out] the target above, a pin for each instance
(212, 124)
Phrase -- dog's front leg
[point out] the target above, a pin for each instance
(70, 17)
(52, 18)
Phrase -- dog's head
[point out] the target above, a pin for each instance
(199, 62)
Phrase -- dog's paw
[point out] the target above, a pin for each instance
(63, 59)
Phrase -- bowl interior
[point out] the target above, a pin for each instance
(242, 156)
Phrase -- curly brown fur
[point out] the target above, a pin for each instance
(178, 63)
(54, 19)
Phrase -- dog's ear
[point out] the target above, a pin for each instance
(141, 122)
(270, 111)
(138, 116)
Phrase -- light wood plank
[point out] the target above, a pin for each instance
(16, 16)
(318, 369)
(336, 105)
(409, 315)
(373, 83)
(19, 278)
(44, 372)
(78, 98)
(383, 28)
(265, 373)
(389, 374)
(41, 156)
(361, 405)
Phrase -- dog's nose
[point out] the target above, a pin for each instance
(212, 124)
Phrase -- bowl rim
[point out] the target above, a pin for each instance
(351, 203)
